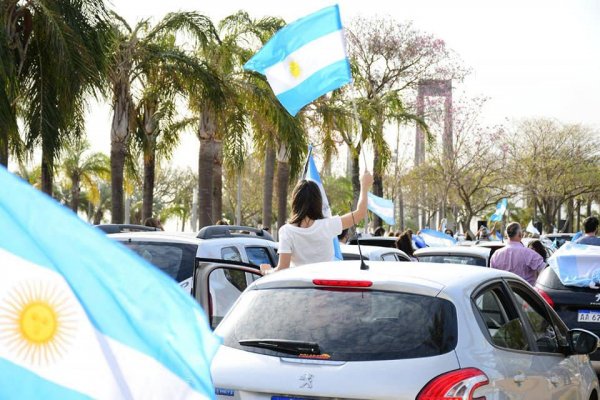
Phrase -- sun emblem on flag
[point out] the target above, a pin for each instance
(37, 322)
(295, 69)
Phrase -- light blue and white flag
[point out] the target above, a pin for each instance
(576, 236)
(500, 209)
(313, 174)
(83, 317)
(383, 208)
(532, 229)
(577, 265)
(305, 59)
(433, 238)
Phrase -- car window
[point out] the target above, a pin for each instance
(230, 254)
(454, 259)
(258, 255)
(348, 325)
(389, 257)
(534, 310)
(225, 285)
(175, 259)
(504, 326)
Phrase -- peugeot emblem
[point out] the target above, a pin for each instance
(306, 380)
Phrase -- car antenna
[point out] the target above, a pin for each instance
(363, 264)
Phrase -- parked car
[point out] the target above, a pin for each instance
(118, 228)
(578, 307)
(374, 253)
(473, 255)
(423, 331)
(380, 241)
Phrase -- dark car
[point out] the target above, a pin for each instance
(578, 307)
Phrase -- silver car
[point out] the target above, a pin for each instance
(420, 331)
(455, 255)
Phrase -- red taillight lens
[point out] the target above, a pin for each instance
(342, 283)
(546, 297)
(455, 385)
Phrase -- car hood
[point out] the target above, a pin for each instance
(247, 375)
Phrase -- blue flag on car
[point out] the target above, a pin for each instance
(313, 174)
(433, 238)
(383, 208)
(577, 265)
(83, 317)
(576, 236)
(500, 209)
(305, 59)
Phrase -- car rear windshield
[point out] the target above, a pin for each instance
(175, 259)
(347, 325)
(442, 259)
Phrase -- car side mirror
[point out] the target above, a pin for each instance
(583, 341)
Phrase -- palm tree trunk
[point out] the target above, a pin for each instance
(268, 187)
(217, 200)
(149, 178)
(377, 184)
(119, 136)
(75, 193)
(47, 169)
(205, 183)
(355, 178)
(283, 181)
(4, 147)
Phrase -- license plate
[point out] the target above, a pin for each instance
(588, 316)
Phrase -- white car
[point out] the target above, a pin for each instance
(423, 331)
(373, 253)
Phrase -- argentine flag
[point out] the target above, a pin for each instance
(433, 238)
(312, 174)
(500, 209)
(383, 208)
(577, 265)
(305, 59)
(82, 317)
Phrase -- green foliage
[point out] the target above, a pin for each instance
(339, 194)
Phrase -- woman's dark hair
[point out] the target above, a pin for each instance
(306, 202)
(539, 248)
(404, 243)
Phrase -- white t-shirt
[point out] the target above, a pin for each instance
(312, 244)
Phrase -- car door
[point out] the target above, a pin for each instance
(218, 286)
(559, 370)
(522, 377)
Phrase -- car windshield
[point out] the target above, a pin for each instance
(346, 325)
(454, 259)
(175, 259)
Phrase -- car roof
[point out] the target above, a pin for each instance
(190, 238)
(415, 277)
(483, 252)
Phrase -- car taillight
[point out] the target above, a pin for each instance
(342, 283)
(546, 297)
(454, 385)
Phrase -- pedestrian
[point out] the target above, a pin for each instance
(449, 232)
(404, 243)
(379, 231)
(539, 248)
(590, 227)
(516, 258)
(154, 223)
(307, 237)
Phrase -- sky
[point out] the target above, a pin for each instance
(531, 58)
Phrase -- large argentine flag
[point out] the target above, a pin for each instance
(313, 174)
(82, 317)
(383, 208)
(435, 238)
(577, 265)
(305, 59)
(500, 209)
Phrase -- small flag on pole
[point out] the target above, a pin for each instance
(83, 317)
(532, 229)
(383, 208)
(305, 59)
(312, 174)
(500, 209)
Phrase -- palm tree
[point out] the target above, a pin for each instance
(135, 53)
(50, 41)
(83, 169)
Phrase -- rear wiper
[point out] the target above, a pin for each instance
(294, 347)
